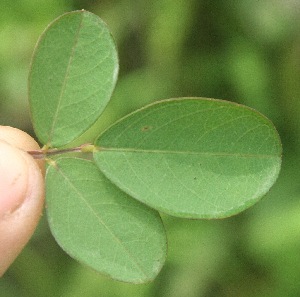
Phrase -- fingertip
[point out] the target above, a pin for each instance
(20, 139)
(21, 201)
(14, 179)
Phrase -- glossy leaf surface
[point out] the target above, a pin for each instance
(99, 225)
(192, 157)
(73, 74)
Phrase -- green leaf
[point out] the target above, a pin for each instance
(97, 224)
(73, 74)
(192, 157)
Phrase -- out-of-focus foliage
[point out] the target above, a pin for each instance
(243, 51)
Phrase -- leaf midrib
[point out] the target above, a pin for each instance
(63, 88)
(213, 154)
(102, 222)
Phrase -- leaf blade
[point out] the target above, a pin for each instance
(192, 157)
(101, 226)
(73, 73)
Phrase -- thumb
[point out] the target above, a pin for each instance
(21, 193)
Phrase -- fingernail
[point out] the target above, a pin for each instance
(13, 179)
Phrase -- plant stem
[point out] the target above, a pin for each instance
(45, 152)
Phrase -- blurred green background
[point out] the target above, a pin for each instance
(243, 51)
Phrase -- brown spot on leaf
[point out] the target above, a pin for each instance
(146, 128)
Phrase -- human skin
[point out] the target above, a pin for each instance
(21, 193)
